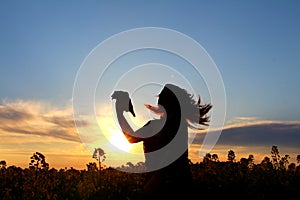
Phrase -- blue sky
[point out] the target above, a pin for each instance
(255, 45)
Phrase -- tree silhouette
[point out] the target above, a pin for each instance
(298, 158)
(266, 164)
(92, 166)
(99, 155)
(207, 158)
(244, 162)
(284, 161)
(2, 164)
(292, 167)
(231, 156)
(38, 162)
(215, 158)
(250, 161)
(275, 157)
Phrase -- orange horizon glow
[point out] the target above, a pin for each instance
(65, 161)
(40, 127)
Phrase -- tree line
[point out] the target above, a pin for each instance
(274, 177)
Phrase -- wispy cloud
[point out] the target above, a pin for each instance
(8, 113)
(38, 118)
(251, 135)
(253, 132)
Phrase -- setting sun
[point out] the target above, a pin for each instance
(117, 138)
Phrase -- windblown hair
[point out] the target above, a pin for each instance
(192, 110)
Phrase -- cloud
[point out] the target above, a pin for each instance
(30, 126)
(8, 113)
(38, 118)
(258, 133)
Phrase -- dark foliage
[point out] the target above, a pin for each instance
(212, 178)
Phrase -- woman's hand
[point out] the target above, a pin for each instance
(123, 102)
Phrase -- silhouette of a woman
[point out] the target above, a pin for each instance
(178, 111)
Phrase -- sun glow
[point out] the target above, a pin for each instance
(118, 139)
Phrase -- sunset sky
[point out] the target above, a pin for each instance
(254, 44)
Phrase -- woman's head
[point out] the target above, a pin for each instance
(168, 99)
(177, 101)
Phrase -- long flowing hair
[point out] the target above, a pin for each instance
(193, 111)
